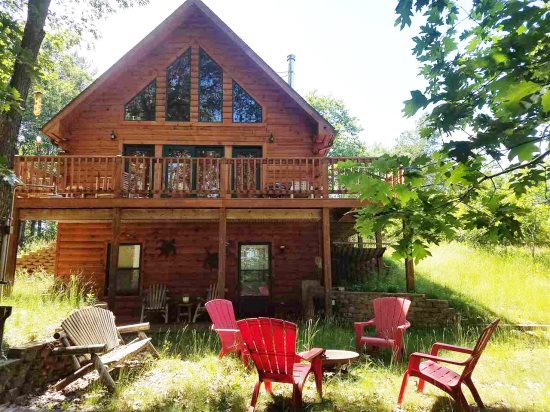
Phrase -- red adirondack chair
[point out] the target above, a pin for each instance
(272, 347)
(390, 322)
(445, 379)
(224, 323)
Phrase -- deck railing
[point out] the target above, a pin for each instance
(143, 177)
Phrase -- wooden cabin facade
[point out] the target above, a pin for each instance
(190, 163)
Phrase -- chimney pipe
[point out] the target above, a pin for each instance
(291, 59)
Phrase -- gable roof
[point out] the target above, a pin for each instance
(325, 131)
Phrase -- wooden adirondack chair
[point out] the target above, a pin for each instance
(91, 334)
(155, 299)
(224, 323)
(212, 293)
(445, 379)
(390, 322)
(272, 347)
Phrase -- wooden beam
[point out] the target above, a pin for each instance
(274, 214)
(169, 214)
(222, 243)
(13, 242)
(60, 215)
(113, 261)
(215, 203)
(327, 266)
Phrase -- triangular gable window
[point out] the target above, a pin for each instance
(210, 89)
(142, 106)
(178, 89)
(245, 108)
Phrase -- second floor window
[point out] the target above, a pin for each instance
(245, 108)
(143, 105)
(178, 89)
(210, 89)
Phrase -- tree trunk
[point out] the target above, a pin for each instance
(33, 229)
(409, 275)
(10, 122)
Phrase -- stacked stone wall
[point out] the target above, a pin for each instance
(41, 259)
(357, 307)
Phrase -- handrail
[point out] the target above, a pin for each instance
(148, 177)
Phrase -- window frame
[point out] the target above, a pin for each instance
(199, 89)
(137, 94)
(233, 83)
(108, 269)
(189, 52)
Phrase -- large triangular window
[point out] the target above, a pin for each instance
(142, 106)
(245, 108)
(178, 89)
(210, 89)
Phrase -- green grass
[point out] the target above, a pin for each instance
(512, 375)
(39, 304)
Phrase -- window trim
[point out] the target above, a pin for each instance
(108, 269)
(188, 51)
(233, 82)
(199, 89)
(134, 96)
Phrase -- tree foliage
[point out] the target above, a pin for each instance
(347, 142)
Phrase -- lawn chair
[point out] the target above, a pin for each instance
(390, 322)
(92, 332)
(445, 379)
(224, 323)
(155, 300)
(212, 293)
(272, 347)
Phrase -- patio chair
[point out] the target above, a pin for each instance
(155, 299)
(92, 339)
(212, 293)
(224, 323)
(272, 347)
(390, 322)
(433, 372)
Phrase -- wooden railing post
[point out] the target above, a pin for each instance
(157, 177)
(324, 177)
(118, 176)
(225, 181)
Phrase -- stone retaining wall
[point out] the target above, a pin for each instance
(39, 259)
(357, 306)
(31, 367)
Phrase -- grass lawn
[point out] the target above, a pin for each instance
(513, 374)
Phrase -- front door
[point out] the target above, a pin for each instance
(254, 291)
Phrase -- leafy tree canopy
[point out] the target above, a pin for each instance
(347, 142)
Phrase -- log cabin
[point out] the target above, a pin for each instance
(190, 163)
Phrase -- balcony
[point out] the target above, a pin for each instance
(138, 177)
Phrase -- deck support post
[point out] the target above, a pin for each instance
(222, 243)
(113, 260)
(327, 264)
(379, 245)
(13, 242)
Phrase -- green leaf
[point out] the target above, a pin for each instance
(524, 152)
(546, 101)
(418, 101)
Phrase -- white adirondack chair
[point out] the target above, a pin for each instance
(155, 299)
(211, 294)
(93, 340)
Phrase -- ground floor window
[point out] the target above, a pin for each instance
(128, 271)
(254, 270)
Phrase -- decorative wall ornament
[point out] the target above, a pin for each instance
(211, 260)
(167, 247)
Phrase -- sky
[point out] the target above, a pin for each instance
(349, 49)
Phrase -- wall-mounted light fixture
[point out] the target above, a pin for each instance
(271, 138)
(113, 135)
(282, 248)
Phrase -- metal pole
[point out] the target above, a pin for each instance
(291, 58)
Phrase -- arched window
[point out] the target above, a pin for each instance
(245, 108)
(143, 105)
(178, 89)
(210, 89)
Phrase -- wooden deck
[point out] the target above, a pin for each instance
(203, 181)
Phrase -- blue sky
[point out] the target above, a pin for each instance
(347, 48)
